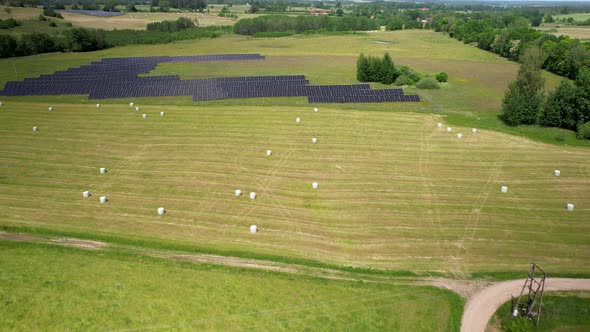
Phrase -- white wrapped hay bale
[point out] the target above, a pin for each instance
(556, 172)
(162, 113)
(252, 195)
(137, 108)
(144, 116)
(86, 194)
(449, 129)
(238, 193)
(269, 152)
(103, 199)
(1, 103)
(161, 211)
(35, 128)
(315, 185)
(103, 170)
(474, 130)
(50, 108)
(253, 229)
(97, 105)
(297, 120)
(131, 104)
(504, 189)
(315, 109)
(439, 125)
(569, 207)
(314, 140)
(459, 135)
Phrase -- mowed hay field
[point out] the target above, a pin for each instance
(395, 191)
(51, 288)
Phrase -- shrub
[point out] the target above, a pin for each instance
(403, 80)
(42, 18)
(9, 23)
(52, 24)
(442, 77)
(584, 130)
(427, 83)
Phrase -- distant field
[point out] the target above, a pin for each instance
(395, 191)
(582, 33)
(69, 289)
(138, 21)
(579, 17)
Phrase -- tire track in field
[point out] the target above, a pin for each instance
(123, 167)
(426, 178)
(470, 228)
(268, 178)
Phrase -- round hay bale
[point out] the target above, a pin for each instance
(86, 194)
(569, 207)
(557, 172)
(315, 109)
(1, 103)
(35, 128)
(459, 135)
(50, 108)
(161, 211)
(97, 105)
(144, 116)
(269, 152)
(103, 199)
(314, 140)
(137, 108)
(253, 229)
(315, 185)
(162, 113)
(238, 193)
(474, 130)
(439, 125)
(449, 129)
(103, 170)
(131, 104)
(252, 195)
(504, 189)
(297, 120)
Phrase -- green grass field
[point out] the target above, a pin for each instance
(578, 17)
(561, 311)
(395, 191)
(50, 288)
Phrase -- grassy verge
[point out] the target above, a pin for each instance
(561, 311)
(72, 289)
(490, 120)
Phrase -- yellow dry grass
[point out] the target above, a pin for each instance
(138, 21)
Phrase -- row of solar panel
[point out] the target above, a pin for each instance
(363, 99)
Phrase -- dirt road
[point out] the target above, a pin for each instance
(481, 306)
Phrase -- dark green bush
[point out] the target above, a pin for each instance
(584, 130)
(442, 77)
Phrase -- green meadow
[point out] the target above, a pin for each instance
(51, 288)
(395, 193)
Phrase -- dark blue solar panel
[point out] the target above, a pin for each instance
(118, 78)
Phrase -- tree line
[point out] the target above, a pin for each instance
(510, 35)
(567, 107)
(84, 40)
(300, 24)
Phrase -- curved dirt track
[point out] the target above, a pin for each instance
(481, 306)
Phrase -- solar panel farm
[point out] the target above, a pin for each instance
(368, 201)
